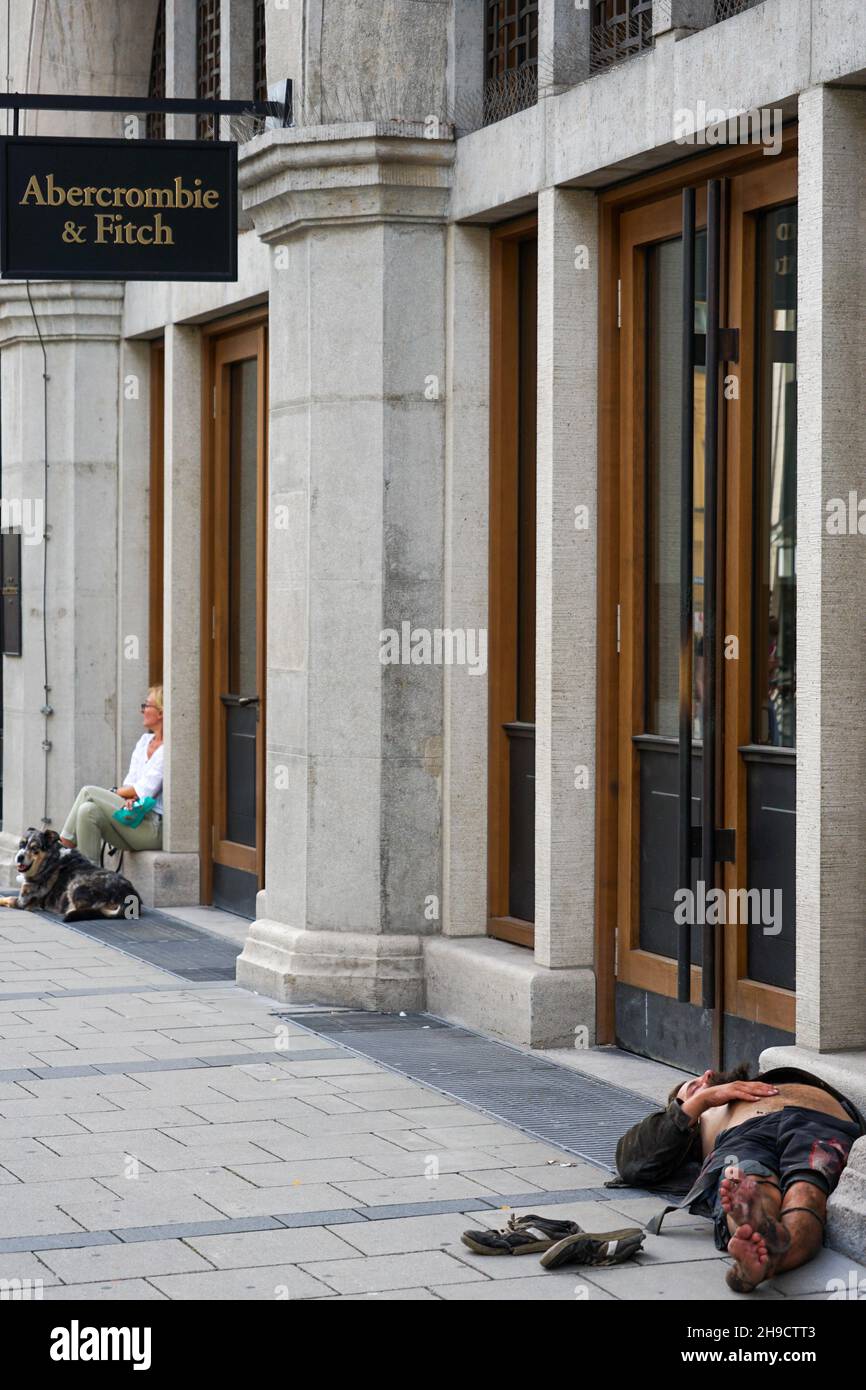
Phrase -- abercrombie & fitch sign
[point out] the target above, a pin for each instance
(118, 209)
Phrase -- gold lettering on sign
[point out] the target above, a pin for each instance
(111, 227)
(108, 227)
(177, 195)
(33, 190)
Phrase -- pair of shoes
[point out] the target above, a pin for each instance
(558, 1242)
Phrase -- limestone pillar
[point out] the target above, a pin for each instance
(676, 19)
(182, 596)
(467, 564)
(831, 618)
(567, 540)
(564, 37)
(74, 503)
(133, 535)
(355, 219)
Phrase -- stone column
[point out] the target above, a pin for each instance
(355, 218)
(180, 63)
(831, 618)
(563, 45)
(133, 546)
(467, 563)
(182, 596)
(77, 505)
(676, 19)
(566, 578)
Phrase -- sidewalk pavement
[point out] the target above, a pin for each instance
(160, 1140)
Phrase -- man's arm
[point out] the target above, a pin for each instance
(657, 1146)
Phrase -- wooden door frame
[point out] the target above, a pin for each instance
(252, 326)
(613, 204)
(755, 192)
(502, 592)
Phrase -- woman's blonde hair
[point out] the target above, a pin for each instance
(155, 695)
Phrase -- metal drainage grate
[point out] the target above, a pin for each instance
(157, 939)
(584, 1116)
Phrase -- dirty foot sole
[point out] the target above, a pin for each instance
(751, 1260)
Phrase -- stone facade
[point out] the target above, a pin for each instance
(383, 220)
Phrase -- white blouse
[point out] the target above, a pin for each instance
(145, 774)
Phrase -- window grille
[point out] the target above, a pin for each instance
(620, 29)
(510, 57)
(208, 62)
(726, 9)
(156, 84)
(260, 70)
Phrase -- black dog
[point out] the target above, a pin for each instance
(62, 880)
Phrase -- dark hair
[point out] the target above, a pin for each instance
(719, 1078)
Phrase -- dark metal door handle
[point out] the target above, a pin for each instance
(686, 587)
(240, 701)
(711, 484)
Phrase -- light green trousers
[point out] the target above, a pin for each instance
(90, 822)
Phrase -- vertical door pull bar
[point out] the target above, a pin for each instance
(711, 463)
(687, 433)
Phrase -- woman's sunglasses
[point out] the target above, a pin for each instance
(147, 706)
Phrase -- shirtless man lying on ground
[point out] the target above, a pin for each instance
(770, 1151)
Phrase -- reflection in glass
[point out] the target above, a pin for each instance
(664, 410)
(243, 482)
(776, 482)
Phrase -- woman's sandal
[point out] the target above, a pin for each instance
(601, 1248)
(523, 1235)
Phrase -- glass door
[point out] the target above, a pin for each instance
(236, 745)
(511, 687)
(706, 606)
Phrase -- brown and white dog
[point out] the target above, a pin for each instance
(58, 879)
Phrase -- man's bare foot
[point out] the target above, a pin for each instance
(751, 1260)
(758, 1236)
(68, 843)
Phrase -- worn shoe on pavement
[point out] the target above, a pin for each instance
(603, 1248)
(523, 1235)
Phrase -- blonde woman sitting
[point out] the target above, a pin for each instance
(91, 819)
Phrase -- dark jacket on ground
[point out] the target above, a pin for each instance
(664, 1150)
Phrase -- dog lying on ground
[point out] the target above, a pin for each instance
(62, 880)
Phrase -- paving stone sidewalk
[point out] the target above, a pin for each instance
(160, 1140)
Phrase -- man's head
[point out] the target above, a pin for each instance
(683, 1090)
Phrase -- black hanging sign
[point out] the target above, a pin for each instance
(118, 209)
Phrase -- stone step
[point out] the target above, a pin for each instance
(163, 879)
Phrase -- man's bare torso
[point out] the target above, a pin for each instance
(723, 1117)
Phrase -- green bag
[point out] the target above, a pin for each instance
(133, 815)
